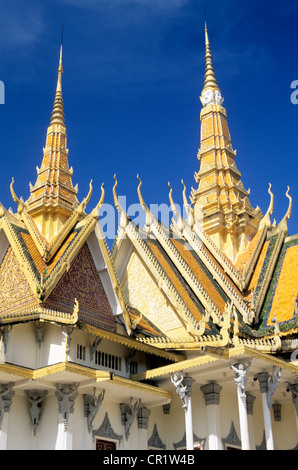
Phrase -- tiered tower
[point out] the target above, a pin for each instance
(221, 201)
(53, 197)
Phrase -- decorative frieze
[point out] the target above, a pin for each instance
(106, 430)
(155, 441)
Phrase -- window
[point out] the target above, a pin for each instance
(107, 360)
(81, 352)
(105, 445)
(133, 368)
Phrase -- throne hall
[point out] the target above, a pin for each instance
(178, 337)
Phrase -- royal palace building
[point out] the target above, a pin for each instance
(177, 337)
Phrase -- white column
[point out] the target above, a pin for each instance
(251, 431)
(183, 388)
(263, 378)
(6, 394)
(3, 432)
(212, 396)
(188, 381)
(64, 435)
(243, 420)
(240, 371)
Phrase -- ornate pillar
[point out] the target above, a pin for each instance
(212, 396)
(249, 408)
(6, 395)
(293, 388)
(143, 420)
(240, 371)
(268, 384)
(183, 388)
(66, 395)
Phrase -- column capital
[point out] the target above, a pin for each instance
(262, 378)
(188, 381)
(211, 393)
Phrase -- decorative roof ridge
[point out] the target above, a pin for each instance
(156, 228)
(165, 284)
(200, 249)
(187, 272)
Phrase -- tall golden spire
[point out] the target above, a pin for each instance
(53, 197)
(220, 200)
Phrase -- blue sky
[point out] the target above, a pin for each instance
(133, 74)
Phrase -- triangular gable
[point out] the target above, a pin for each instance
(82, 282)
(15, 292)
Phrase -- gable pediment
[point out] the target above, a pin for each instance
(82, 282)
